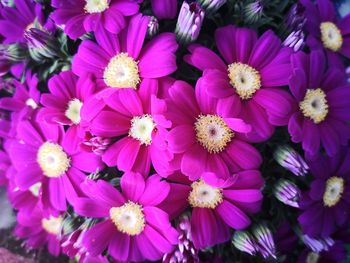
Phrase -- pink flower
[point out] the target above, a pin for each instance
(206, 136)
(82, 16)
(133, 227)
(121, 61)
(250, 77)
(165, 9)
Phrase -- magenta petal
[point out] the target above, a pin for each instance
(248, 200)
(136, 34)
(249, 179)
(97, 238)
(233, 216)
(90, 208)
(158, 241)
(110, 124)
(128, 155)
(133, 186)
(87, 162)
(330, 139)
(118, 247)
(155, 191)
(29, 134)
(29, 176)
(56, 193)
(244, 154)
(311, 137)
(217, 83)
(147, 249)
(192, 162)
(238, 125)
(179, 143)
(226, 42)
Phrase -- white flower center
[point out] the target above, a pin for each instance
(141, 128)
(244, 79)
(312, 257)
(129, 218)
(315, 105)
(35, 188)
(333, 192)
(204, 195)
(52, 159)
(331, 36)
(122, 72)
(31, 103)
(212, 132)
(53, 225)
(73, 110)
(96, 6)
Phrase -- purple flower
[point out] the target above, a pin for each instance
(326, 204)
(253, 11)
(206, 136)
(325, 30)
(5, 167)
(287, 192)
(189, 22)
(285, 239)
(44, 153)
(322, 109)
(119, 66)
(249, 78)
(295, 40)
(264, 239)
(290, 159)
(165, 9)
(245, 242)
(81, 16)
(318, 245)
(133, 227)
(40, 230)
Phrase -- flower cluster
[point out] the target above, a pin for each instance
(139, 130)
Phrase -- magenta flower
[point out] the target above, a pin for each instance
(43, 153)
(5, 167)
(39, 230)
(133, 227)
(322, 106)
(82, 16)
(165, 9)
(137, 118)
(120, 61)
(327, 204)
(65, 100)
(217, 204)
(15, 21)
(326, 30)
(206, 136)
(250, 77)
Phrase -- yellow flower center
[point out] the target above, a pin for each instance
(35, 188)
(212, 133)
(244, 79)
(331, 36)
(128, 218)
(314, 105)
(52, 159)
(73, 110)
(312, 257)
(333, 192)
(95, 6)
(141, 128)
(122, 72)
(204, 196)
(53, 225)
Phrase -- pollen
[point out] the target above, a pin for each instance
(122, 72)
(52, 160)
(244, 79)
(95, 6)
(205, 196)
(73, 110)
(331, 36)
(128, 218)
(53, 225)
(212, 133)
(35, 189)
(142, 128)
(314, 105)
(333, 192)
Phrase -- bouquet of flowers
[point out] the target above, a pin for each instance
(177, 131)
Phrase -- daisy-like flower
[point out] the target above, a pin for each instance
(133, 227)
(327, 204)
(322, 107)
(205, 137)
(39, 230)
(15, 21)
(217, 204)
(43, 153)
(24, 101)
(139, 118)
(326, 30)
(121, 61)
(81, 16)
(250, 76)
(65, 100)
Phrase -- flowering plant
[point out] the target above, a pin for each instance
(177, 131)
